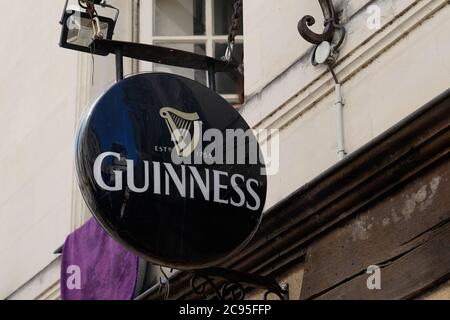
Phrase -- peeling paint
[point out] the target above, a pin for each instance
(360, 231)
(419, 200)
(396, 218)
(422, 199)
(434, 185)
(409, 208)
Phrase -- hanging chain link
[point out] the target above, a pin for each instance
(234, 29)
(89, 5)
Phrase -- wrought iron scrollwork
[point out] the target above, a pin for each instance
(331, 24)
(228, 291)
(223, 285)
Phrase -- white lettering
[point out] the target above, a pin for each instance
(157, 178)
(374, 281)
(374, 20)
(179, 183)
(253, 194)
(238, 190)
(215, 148)
(74, 280)
(204, 186)
(218, 187)
(215, 186)
(98, 172)
(130, 177)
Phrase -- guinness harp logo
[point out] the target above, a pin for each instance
(185, 129)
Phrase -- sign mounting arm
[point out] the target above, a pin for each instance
(331, 21)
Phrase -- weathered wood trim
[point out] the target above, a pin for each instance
(406, 276)
(398, 226)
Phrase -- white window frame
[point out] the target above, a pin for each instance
(209, 39)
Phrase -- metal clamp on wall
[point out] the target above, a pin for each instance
(326, 52)
(327, 43)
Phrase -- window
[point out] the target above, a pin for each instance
(199, 26)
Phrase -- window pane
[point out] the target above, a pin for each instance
(197, 75)
(229, 83)
(223, 12)
(179, 17)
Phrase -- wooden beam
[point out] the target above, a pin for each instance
(407, 276)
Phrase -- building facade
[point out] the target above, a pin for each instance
(328, 220)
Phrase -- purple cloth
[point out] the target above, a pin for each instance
(96, 267)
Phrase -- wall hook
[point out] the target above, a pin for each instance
(331, 21)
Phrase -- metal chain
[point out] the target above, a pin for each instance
(89, 6)
(234, 29)
(235, 19)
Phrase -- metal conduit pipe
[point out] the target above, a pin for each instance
(135, 30)
(339, 104)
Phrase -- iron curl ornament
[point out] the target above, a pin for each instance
(228, 291)
(331, 24)
(230, 285)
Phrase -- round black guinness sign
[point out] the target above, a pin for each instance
(171, 170)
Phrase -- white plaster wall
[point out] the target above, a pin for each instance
(272, 42)
(43, 90)
(37, 104)
(386, 74)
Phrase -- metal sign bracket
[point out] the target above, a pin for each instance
(225, 284)
(161, 55)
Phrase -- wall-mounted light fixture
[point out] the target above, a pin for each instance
(81, 24)
(83, 29)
